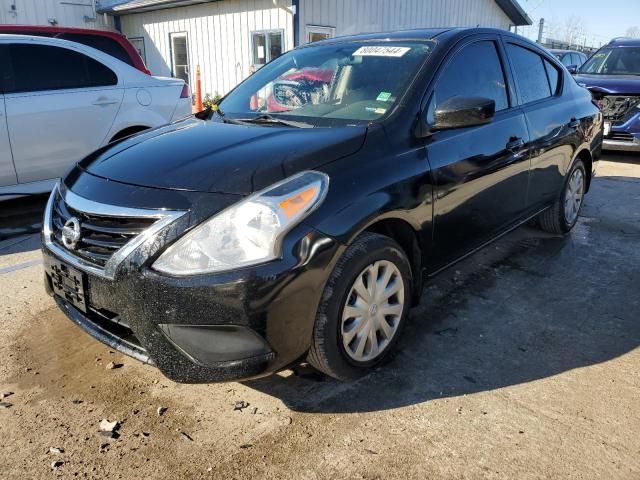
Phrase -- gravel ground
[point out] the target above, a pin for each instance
(521, 362)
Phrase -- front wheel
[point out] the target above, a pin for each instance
(563, 215)
(363, 308)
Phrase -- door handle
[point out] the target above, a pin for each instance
(105, 101)
(515, 144)
(574, 123)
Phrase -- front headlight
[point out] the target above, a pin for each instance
(247, 233)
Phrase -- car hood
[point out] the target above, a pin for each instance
(610, 84)
(207, 156)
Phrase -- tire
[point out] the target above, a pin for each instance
(558, 219)
(369, 254)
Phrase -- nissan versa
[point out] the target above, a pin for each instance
(232, 244)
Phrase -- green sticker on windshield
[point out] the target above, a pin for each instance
(384, 96)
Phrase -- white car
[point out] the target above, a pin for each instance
(60, 101)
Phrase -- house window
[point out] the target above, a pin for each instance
(180, 56)
(315, 33)
(267, 46)
(138, 44)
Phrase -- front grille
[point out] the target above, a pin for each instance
(100, 236)
(621, 137)
(618, 108)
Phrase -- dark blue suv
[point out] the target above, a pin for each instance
(613, 76)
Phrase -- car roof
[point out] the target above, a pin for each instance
(104, 57)
(46, 28)
(562, 50)
(126, 71)
(420, 34)
(624, 42)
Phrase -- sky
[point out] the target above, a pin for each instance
(602, 19)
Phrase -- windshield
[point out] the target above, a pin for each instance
(614, 61)
(327, 84)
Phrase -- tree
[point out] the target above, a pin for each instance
(633, 32)
(573, 30)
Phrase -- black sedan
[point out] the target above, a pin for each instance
(259, 233)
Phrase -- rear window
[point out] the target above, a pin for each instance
(104, 44)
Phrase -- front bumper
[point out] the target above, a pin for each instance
(210, 328)
(199, 329)
(621, 145)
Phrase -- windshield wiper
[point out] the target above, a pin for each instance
(271, 120)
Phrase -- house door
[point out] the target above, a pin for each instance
(180, 56)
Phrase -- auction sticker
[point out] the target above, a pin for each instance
(381, 51)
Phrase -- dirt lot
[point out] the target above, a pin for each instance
(521, 362)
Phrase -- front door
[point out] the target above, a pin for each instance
(480, 173)
(60, 108)
(180, 56)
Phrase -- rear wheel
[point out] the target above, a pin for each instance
(363, 308)
(563, 215)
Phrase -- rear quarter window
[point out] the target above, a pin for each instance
(553, 74)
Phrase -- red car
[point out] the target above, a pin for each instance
(112, 43)
(297, 89)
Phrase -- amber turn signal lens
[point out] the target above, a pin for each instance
(294, 205)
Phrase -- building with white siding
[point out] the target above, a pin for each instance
(230, 38)
(64, 13)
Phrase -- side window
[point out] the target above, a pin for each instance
(530, 73)
(45, 67)
(5, 74)
(480, 62)
(100, 75)
(567, 60)
(553, 75)
(575, 59)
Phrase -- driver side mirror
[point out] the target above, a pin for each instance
(458, 112)
(573, 69)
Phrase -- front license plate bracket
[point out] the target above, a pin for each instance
(70, 284)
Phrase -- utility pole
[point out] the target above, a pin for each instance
(540, 30)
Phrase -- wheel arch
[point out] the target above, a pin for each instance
(585, 155)
(405, 234)
(125, 132)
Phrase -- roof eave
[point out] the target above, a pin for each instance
(515, 12)
(137, 6)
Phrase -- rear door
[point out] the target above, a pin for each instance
(60, 107)
(551, 127)
(7, 171)
(480, 172)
